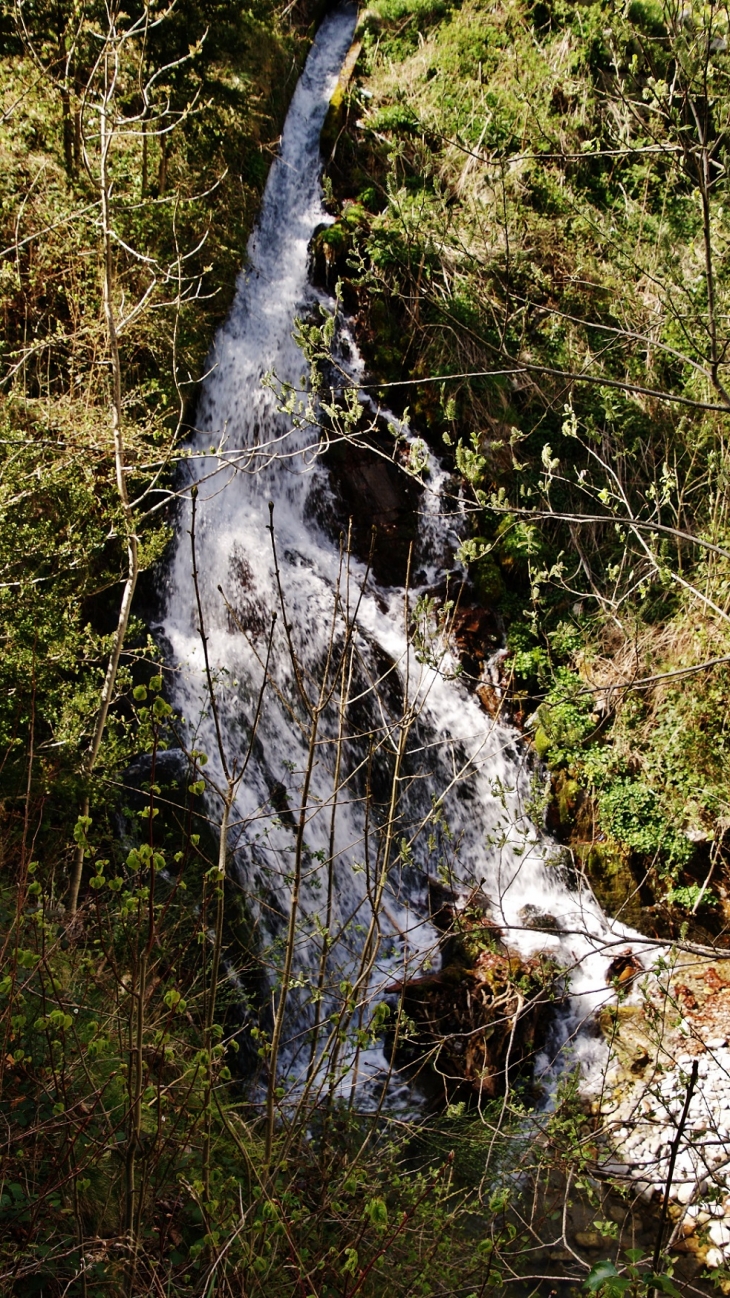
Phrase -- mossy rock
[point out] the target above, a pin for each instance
(565, 793)
(541, 743)
(485, 1014)
(473, 1026)
(612, 881)
(626, 1030)
(337, 111)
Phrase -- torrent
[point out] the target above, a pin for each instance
(407, 779)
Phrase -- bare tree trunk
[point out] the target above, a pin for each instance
(68, 133)
(213, 981)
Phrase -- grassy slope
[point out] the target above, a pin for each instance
(485, 236)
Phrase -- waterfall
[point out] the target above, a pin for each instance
(464, 783)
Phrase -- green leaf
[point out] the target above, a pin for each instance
(83, 824)
(666, 1285)
(350, 1264)
(376, 1213)
(604, 1276)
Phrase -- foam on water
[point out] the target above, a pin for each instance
(475, 766)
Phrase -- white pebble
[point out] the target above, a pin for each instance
(719, 1233)
(714, 1257)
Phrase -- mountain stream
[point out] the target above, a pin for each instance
(409, 777)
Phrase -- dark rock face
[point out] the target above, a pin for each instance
(371, 493)
(624, 968)
(171, 766)
(484, 1016)
(537, 919)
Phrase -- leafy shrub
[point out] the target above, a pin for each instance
(630, 812)
(566, 719)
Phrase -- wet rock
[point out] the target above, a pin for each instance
(279, 798)
(372, 493)
(572, 819)
(246, 611)
(589, 1239)
(171, 766)
(689, 1244)
(719, 1233)
(532, 917)
(331, 245)
(490, 696)
(624, 968)
(476, 635)
(337, 112)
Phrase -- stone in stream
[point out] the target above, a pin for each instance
(624, 968)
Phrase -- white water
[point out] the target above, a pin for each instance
(453, 746)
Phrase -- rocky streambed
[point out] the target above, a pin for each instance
(654, 1120)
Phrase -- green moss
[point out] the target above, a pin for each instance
(488, 581)
(612, 880)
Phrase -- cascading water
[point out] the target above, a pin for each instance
(406, 723)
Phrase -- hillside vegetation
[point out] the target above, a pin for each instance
(536, 196)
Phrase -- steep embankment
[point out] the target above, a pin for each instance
(519, 197)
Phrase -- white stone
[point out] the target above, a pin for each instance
(720, 1233)
(714, 1257)
(685, 1192)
